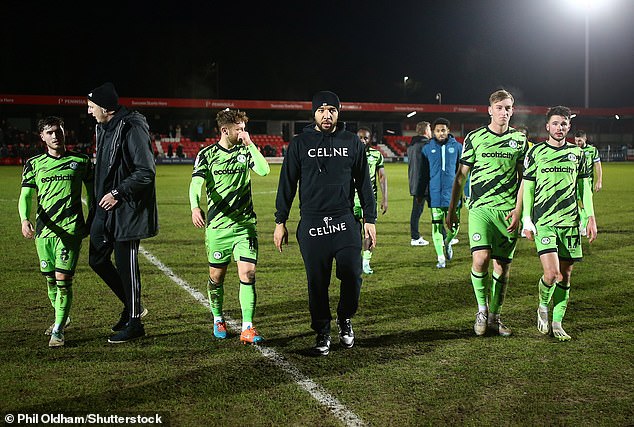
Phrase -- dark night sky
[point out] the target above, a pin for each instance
(282, 51)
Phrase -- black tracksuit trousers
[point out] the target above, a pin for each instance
(322, 240)
(124, 279)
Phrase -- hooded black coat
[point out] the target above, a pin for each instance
(125, 163)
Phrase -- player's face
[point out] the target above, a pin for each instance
(364, 136)
(97, 112)
(232, 131)
(441, 132)
(581, 141)
(326, 118)
(53, 137)
(558, 127)
(501, 112)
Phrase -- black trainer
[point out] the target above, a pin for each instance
(133, 330)
(125, 317)
(322, 345)
(346, 334)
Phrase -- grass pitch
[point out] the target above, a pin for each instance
(416, 360)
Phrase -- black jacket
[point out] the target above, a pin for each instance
(125, 163)
(328, 168)
(414, 160)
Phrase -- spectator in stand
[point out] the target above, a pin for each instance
(179, 151)
(170, 151)
(414, 156)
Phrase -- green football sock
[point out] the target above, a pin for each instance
(63, 302)
(216, 294)
(561, 294)
(545, 292)
(437, 238)
(51, 283)
(498, 290)
(451, 234)
(480, 282)
(367, 255)
(248, 298)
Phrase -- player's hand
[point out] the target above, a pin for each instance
(244, 138)
(27, 229)
(108, 202)
(383, 207)
(451, 220)
(280, 236)
(528, 228)
(198, 217)
(370, 234)
(591, 229)
(598, 186)
(514, 216)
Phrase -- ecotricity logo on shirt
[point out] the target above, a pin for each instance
(328, 228)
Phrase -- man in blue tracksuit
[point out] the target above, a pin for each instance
(439, 165)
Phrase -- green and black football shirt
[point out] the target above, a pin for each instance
(555, 171)
(58, 183)
(493, 159)
(227, 175)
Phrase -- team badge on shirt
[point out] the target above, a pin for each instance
(572, 157)
(242, 158)
(476, 237)
(513, 144)
(545, 240)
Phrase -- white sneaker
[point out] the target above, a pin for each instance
(480, 325)
(49, 331)
(57, 339)
(559, 333)
(441, 264)
(496, 326)
(366, 267)
(454, 241)
(542, 322)
(419, 242)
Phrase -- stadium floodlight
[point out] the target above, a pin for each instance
(587, 7)
(616, 116)
(413, 113)
(405, 79)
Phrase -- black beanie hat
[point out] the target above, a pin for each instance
(325, 98)
(105, 96)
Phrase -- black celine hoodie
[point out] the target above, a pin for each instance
(328, 168)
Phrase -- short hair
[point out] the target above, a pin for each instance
(522, 128)
(500, 95)
(365, 128)
(421, 126)
(49, 121)
(228, 117)
(580, 134)
(440, 121)
(559, 110)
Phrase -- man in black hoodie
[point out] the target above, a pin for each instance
(125, 210)
(329, 163)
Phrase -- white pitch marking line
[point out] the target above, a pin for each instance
(318, 393)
